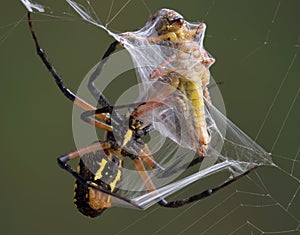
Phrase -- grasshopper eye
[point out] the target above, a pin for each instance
(178, 20)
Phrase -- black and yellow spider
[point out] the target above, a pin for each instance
(99, 173)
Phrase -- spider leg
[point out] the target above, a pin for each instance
(67, 93)
(87, 117)
(146, 155)
(62, 160)
(202, 195)
(98, 95)
(144, 175)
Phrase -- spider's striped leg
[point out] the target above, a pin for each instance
(67, 93)
(90, 116)
(146, 155)
(62, 160)
(144, 175)
(202, 195)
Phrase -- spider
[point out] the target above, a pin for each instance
(99, 172)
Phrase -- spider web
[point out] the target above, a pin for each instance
(267, 201)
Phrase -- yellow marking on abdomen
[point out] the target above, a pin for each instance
(114, 182)
(102, 164)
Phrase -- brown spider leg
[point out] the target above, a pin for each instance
(67, 93)
(146, 155)
(144, 175)
(62, 160)
(204, 194)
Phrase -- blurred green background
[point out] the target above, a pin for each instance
(256, 44)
